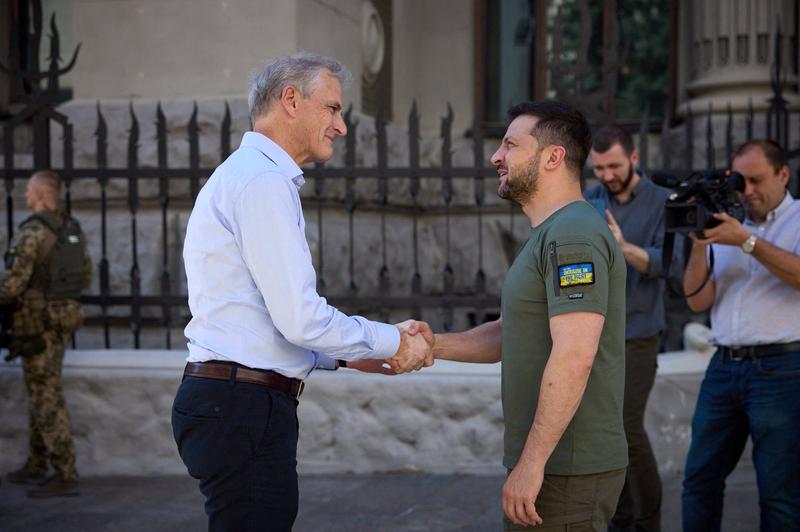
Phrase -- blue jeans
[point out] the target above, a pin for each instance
(755, 397)
(240, 441)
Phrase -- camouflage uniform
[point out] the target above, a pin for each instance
(42, 329)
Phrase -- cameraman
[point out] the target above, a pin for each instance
(633, 206)
(46, 267)
(752, 385)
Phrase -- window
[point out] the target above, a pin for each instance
(608, 58)
(509, 55)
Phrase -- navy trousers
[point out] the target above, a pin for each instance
(758, 398)
(240, 441)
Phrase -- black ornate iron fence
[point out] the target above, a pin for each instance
(399, 191)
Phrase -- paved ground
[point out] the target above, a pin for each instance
(373, 503)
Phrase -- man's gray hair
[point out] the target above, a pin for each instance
(300, 70)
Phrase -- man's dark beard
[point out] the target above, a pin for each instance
(624, 183)
(523, 186)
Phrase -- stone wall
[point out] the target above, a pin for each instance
(197, 48)
(445, 419)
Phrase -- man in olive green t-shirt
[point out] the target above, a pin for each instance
(561, 335)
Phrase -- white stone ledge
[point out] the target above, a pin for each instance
(170, 361)
(444, 419)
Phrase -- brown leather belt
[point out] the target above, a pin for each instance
(231, 371)
(758, 351)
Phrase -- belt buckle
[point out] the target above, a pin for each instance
(746, 353)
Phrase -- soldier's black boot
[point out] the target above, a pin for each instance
(26, 475)
(55, 487)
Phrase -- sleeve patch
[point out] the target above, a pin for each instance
(580, 273)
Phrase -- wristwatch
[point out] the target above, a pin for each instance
(749, 244)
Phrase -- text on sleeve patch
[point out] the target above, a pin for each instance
(579, 273)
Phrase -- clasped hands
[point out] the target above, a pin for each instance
(416, 347)
(415, 351)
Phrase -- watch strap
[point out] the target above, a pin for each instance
(749, 244)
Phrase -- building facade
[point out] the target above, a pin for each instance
(404, 220)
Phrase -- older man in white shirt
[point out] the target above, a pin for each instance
(258, 324)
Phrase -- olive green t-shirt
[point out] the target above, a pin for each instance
(570, 263)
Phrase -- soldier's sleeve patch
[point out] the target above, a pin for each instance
(578, 278)
(580, 273)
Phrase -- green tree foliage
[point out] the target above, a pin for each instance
(642, 55)
(643, 77)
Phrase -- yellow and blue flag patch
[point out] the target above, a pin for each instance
(577, 274)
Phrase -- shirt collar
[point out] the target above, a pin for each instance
(781, 208)
(276, 154)
(640, 185)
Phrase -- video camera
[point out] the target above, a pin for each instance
(695, 200)
(691, 208)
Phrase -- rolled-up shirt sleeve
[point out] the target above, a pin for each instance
(274, 248)
(654, 268)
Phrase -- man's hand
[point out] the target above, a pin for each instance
(634, 255)
(697, 241)
(615, 229)
(730, 232)
(519, 495)
(412, 354)
(372, 366)
(420, 327)
(415, 350)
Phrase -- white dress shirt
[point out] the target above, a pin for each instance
(753, 306)
(251, 282)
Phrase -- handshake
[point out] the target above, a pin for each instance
(416, 347)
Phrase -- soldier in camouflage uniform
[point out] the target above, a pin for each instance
(46, 315)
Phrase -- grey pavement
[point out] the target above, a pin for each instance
(351, 503)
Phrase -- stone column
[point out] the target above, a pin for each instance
(727, 49)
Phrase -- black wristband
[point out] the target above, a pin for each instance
(342, 363)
